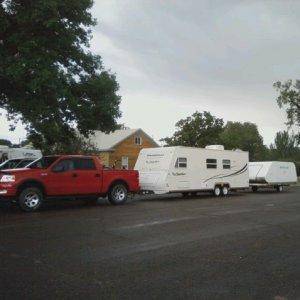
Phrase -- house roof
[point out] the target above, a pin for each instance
(106, 142)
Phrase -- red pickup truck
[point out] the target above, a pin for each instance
(64, 176)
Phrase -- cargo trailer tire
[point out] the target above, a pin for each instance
(118, 194)
(30, 199)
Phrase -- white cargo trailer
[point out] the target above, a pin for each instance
(190, 170)
(274, 174)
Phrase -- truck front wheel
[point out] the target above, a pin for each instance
(118, 194)
(30, 199)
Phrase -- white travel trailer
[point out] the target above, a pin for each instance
(190, 170)
(271, 174)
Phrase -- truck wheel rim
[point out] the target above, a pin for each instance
(32, 200)
(119, 194)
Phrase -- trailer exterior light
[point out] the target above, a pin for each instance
(8, 178)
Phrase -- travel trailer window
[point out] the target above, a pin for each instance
(226, 164)
(211, 163)
(181, 162)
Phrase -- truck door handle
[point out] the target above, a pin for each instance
(97, 175)
(74, 175)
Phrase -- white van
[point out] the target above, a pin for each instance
(17, 157)
(275, 174)
(189, 170)
(14, 153)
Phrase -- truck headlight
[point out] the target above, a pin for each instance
(8, 178)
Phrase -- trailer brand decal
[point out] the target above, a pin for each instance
(152, 161)
(219, 176)
(178, 174)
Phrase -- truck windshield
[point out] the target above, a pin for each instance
(43, 163)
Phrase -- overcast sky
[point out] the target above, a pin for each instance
(172, 58)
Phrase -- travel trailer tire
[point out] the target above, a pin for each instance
(279, 188)
(225, 190)
(217, 191)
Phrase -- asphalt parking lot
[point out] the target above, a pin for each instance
(243, 247)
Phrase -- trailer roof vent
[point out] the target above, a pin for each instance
(215, 147)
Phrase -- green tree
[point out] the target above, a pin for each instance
(198, 130)
(244, 136)
(5, 142)
(285, 145)
(289, 98)
(48, 78)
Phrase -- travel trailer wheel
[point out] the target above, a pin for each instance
(279, 188)
(225, 190)
(217, 191)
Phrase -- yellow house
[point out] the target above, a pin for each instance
(120, 149)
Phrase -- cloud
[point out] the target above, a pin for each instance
(174, 57)
(222, 56)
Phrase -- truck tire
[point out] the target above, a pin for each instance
(217, 191)
(225, 190)
(118, 194)
(30, 199)
(279, 188)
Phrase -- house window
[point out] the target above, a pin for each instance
(138, 140)
(226, 164)
(181, 162)
(211, 163)
(125, 162)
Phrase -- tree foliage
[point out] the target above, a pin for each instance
(5, 142)
(285, 144)
(198, 130)
(286, 148)
(48, 78)
(289, 98)
(244, 136)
